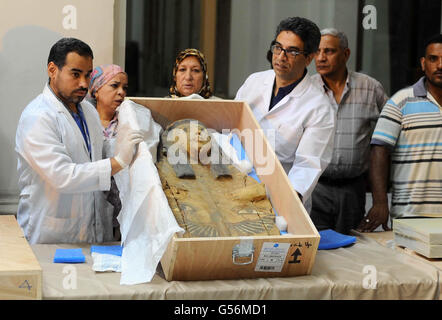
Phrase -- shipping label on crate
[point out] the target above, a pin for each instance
(272, 257)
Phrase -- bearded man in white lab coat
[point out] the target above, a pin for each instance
(293, 113)
(59, 145)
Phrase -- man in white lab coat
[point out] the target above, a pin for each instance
(293, 113)
(59, 144)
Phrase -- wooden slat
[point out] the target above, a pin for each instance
(20, 272)
(208, 36)
(211, 258)
(216, 114)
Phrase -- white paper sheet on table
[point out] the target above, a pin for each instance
(146, 221)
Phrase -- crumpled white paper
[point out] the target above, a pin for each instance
(105, 262)
(146, 221)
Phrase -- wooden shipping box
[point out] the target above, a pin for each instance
(20, 272)
(239, 257)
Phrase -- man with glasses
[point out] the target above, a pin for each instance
(338, 201)
(295, 116)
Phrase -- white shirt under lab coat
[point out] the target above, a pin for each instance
(301, 126)
(60, 185)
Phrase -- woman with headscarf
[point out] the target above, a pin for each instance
(107, 90)
(190, 78)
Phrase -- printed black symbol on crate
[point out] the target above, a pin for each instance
(295, 256)
(25, 285)
(299, 244)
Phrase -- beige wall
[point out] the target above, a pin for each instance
(94, 23)
(28, 29)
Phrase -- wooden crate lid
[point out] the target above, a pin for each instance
(15, 252)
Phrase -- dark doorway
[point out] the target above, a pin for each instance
(168, 26)
(157, 30)
(411, 23)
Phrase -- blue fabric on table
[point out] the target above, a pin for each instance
(116, 250)
(69, 256)
(331, 239)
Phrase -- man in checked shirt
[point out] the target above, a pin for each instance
(339, 197)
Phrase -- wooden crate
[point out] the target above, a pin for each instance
(239, 257)
(20, 272)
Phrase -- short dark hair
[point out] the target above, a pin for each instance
(436, 38)
(62, 47)
(307, 30)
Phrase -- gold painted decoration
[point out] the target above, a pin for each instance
(210, 203)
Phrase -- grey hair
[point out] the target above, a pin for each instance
(343, 41)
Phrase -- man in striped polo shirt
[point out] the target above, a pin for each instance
(407, 143)
(338, 201)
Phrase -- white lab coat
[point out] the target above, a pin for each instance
(301, 128)
(60, 198)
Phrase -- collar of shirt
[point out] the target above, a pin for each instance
(330, 93)
(79, 119)
(283, 91)
(420, 90)
(111, 130)
(69, 109)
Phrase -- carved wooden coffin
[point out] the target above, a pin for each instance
(210, 202)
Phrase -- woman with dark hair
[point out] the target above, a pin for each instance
(189, 77)
(107, 90)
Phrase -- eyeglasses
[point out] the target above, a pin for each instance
(277, 49)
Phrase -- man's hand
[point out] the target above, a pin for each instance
(379, 173)
(124, 149)
(377, 215)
